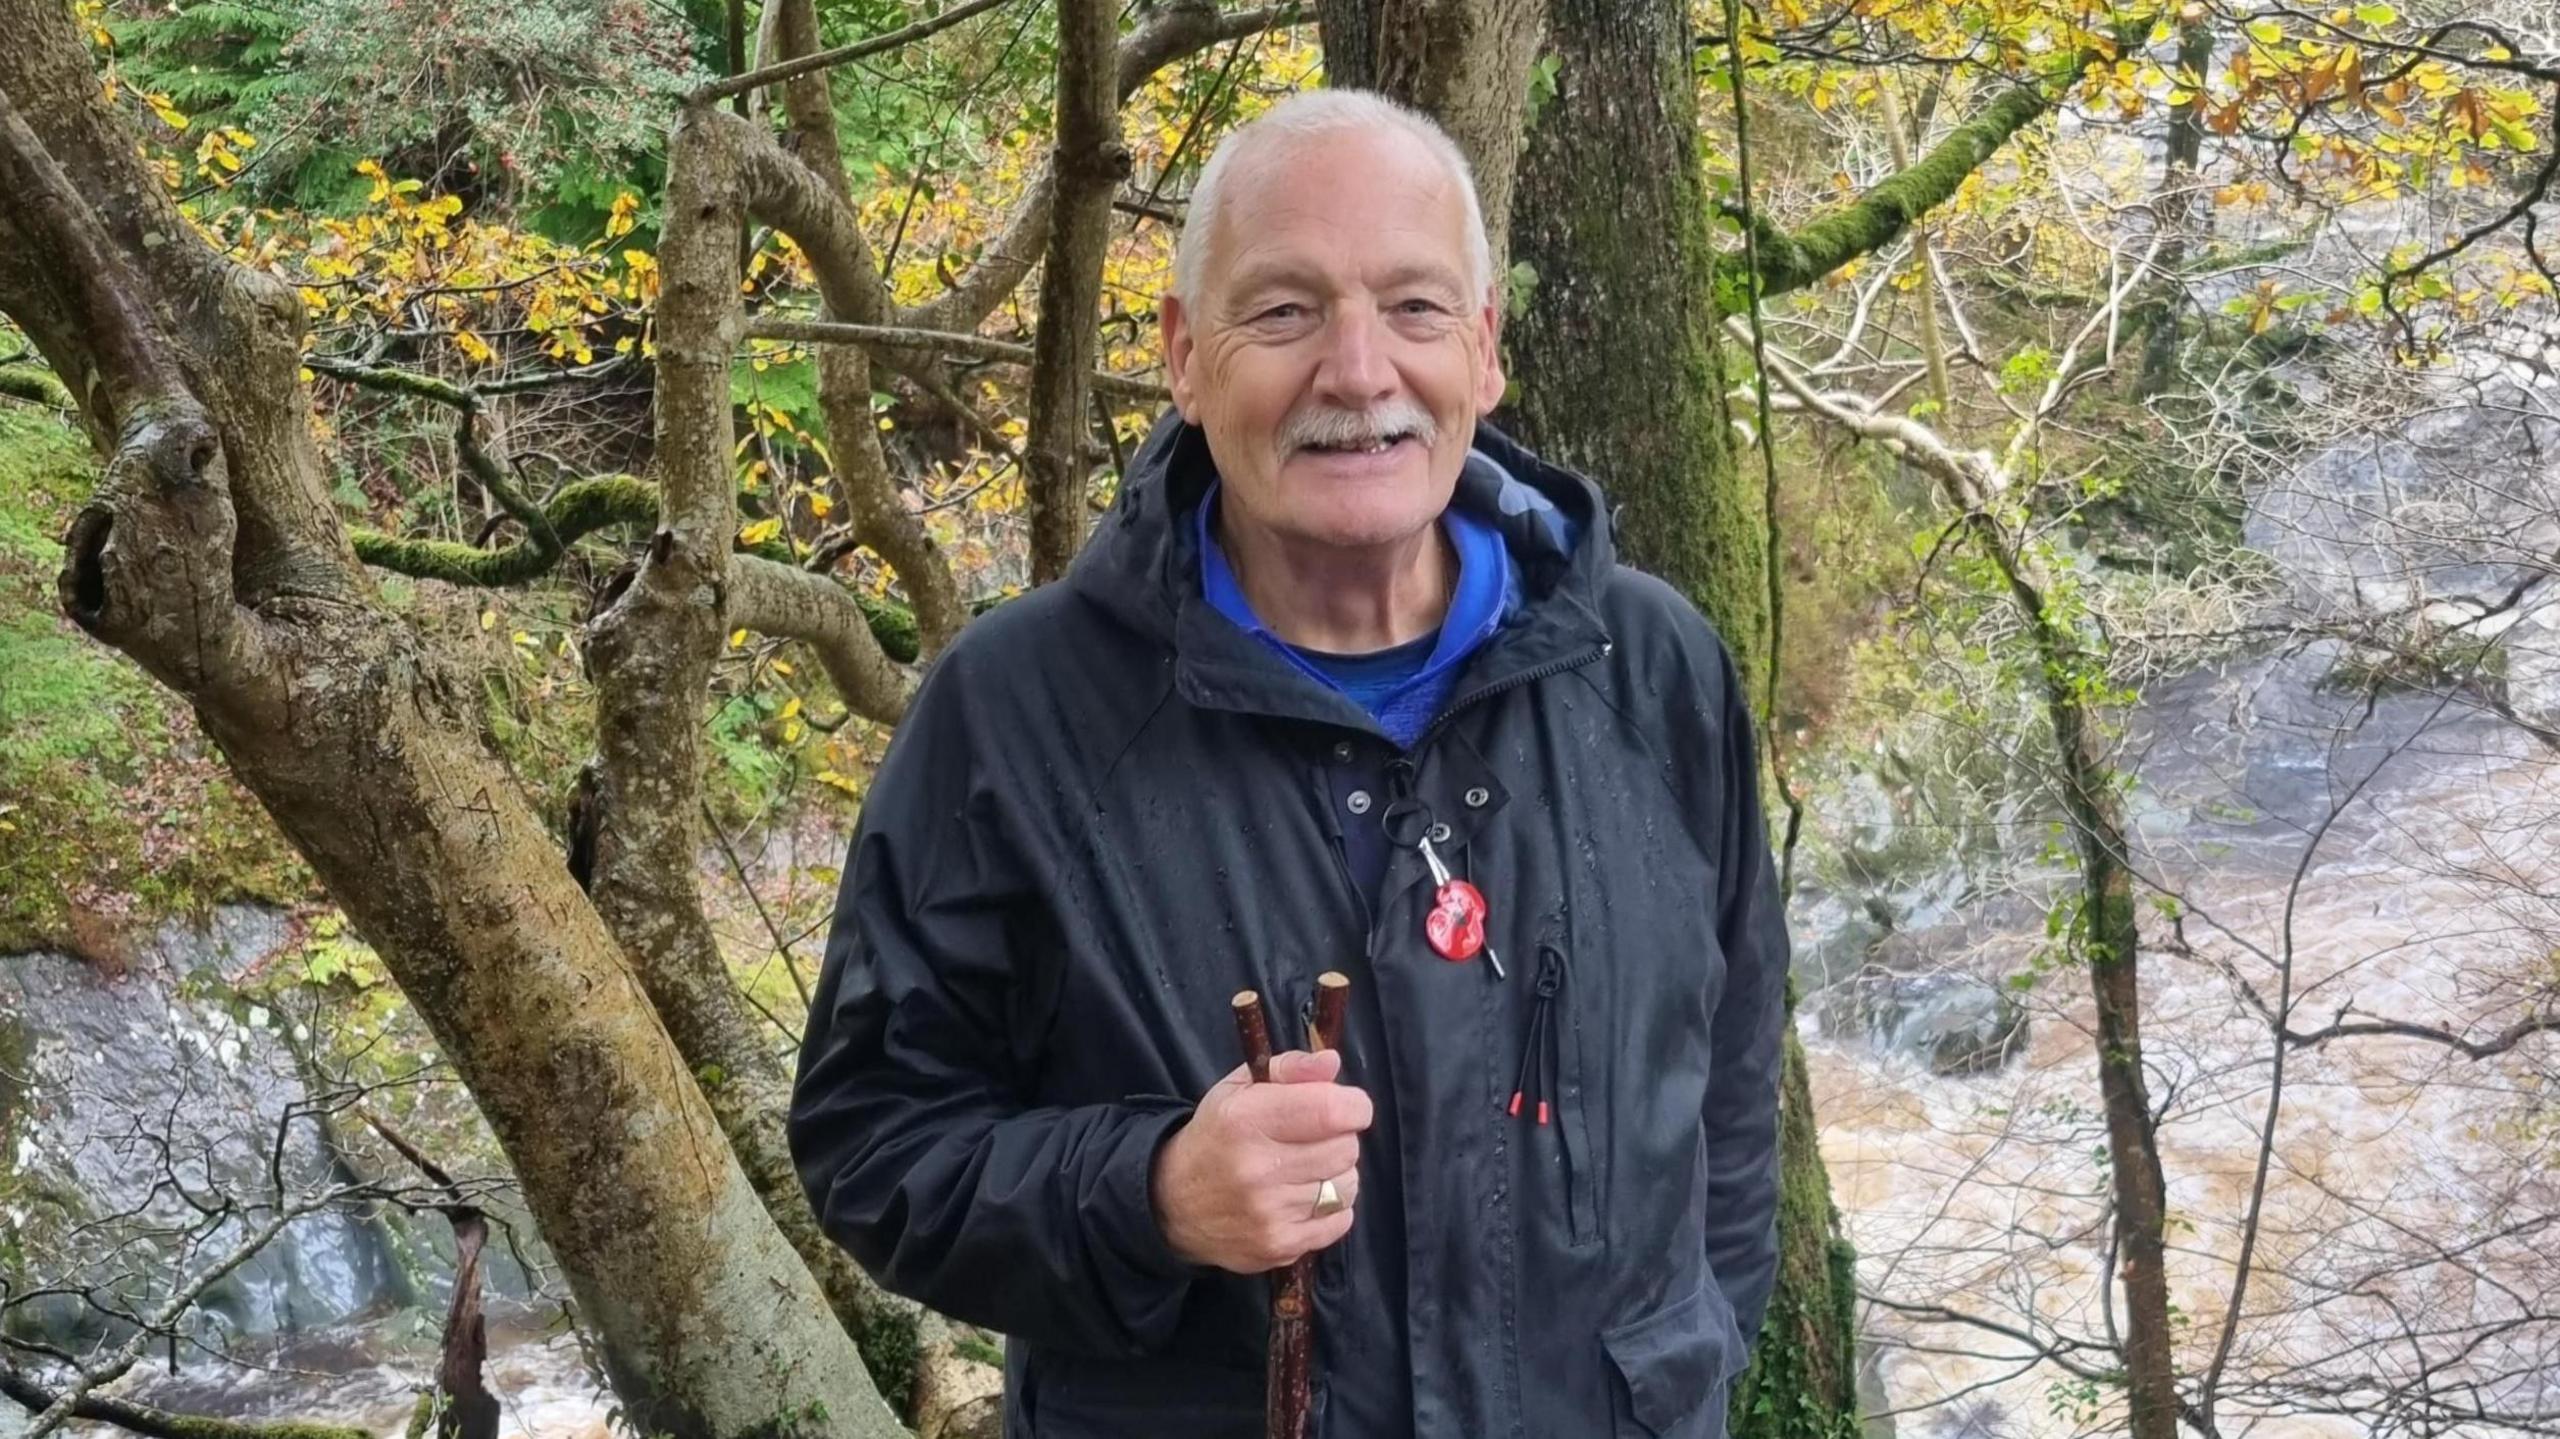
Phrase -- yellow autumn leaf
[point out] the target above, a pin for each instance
(760, 531)
(737, 639)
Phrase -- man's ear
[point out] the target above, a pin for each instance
(1490, 381)
(1173, 323)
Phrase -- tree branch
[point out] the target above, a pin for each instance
(1176, 32)
(166, 490)
(154, 1423)
(894, 337)
(2506, 1039)
(809, 200)
(1880, 216)
(1090, 162)
(810, 64)
(579, 509)
(465, 398)
(785, 600)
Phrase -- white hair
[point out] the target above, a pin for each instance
(1306, 115)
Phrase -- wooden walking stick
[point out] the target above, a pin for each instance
(1288, 1376)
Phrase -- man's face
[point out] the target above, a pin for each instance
(1336, 358)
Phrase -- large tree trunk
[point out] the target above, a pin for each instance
(1620, 375)
(1618, 356)
(212, 554)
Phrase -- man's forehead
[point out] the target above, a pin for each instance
(1380, 206)
(1276, 264)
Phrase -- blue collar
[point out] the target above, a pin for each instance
(1487, 589)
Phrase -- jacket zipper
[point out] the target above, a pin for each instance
(1528, 676)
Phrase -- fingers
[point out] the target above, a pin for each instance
(1310, 1237)
(1297, 1066)
(1287, 1225)
(1305, 1113)
(1306, 1165)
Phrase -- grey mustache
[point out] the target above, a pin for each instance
(1358, 427)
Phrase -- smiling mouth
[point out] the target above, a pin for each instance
(1358, 447)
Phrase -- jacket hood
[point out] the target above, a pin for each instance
(1143, 564)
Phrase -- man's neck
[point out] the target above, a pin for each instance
(1341, 601)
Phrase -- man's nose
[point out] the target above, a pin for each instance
(1356, 370)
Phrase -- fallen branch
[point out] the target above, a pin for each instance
(155, 1423)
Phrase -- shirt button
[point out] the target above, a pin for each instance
(1358, 803)
(1342, 753)
(1479, 797)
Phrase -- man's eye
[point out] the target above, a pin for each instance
(1419, 307)
(1281, 312)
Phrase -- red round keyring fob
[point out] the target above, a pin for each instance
(1455, 926)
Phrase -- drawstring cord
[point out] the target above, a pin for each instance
(1541, 1063)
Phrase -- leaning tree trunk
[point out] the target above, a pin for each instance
(212, 554)
(1621, 375)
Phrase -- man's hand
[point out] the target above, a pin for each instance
(1236, 1187)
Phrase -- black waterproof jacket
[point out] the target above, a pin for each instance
(1110, 809)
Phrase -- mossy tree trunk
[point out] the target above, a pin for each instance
(1618, 363)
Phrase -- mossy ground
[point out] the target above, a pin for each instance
(114, 811)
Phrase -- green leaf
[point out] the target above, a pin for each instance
(2377, 14)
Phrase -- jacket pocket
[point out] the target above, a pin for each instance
(1549, 1097)
(1675, 1363)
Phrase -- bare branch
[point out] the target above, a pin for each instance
(785, 600)
(1176, 32)
(720, 90)
(153, 1423)
(896, 337)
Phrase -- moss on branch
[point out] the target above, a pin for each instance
(1880, 216)
(36, 387)
(581, 508)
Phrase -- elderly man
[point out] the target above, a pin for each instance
(1339, 649)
